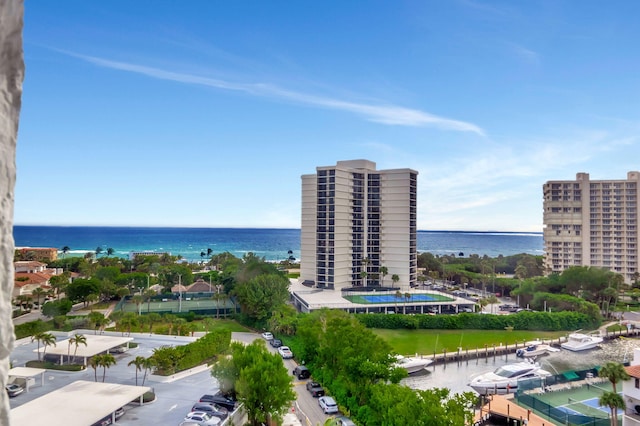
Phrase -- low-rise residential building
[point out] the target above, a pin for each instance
(631, 392)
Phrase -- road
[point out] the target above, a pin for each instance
(307, 404)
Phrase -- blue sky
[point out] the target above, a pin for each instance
(206, 113)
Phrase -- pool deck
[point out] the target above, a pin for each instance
(309, 299)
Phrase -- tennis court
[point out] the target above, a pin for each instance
(580, 400)
(391, 298)
(202, 306)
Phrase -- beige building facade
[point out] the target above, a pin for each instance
(356, 220)
(592, 223)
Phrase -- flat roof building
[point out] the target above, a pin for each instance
(358, 227)
(592, 223)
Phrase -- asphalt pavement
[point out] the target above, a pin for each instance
(174, 399)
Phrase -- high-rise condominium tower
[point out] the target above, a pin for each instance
(592, 223)
(355, 221)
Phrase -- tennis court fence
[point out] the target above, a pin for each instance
(563, 415)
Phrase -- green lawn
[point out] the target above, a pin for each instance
(427, 342)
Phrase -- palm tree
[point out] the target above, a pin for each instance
(77, 339)
(138, 299)
(65, 250)
(151, 319)
(93, 363)
(407, 297)
(395, 278)
(614, 402)
(614, 372)
(37, 292)
(105, 361)
(47, 339)
(148, 364)
(398, 295)
(110, 251)
(148, 294)
(139, 363)
(383, 271)
(363, 277)
(98, 251)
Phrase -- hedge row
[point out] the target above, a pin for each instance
(526, 320)
(170, 360)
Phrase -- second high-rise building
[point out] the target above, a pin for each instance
(359, 226)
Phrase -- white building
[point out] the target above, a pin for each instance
(358, 219)
(631, 392)
(592, 223)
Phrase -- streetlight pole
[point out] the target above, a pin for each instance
(179, 292)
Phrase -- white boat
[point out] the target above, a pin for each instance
(581, 342)
(535, 349)
(505, 379)
(412, 365)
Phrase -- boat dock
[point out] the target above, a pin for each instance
(495, 351)
(488, 351)
(501, 406)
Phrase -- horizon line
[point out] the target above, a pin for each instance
(262, 227)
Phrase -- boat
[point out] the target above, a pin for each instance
(505, 379)
(412, 365)
(581, 342)
(533, 350)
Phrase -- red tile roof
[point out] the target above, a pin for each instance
(633, 371)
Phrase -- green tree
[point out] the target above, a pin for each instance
(383, 272)
(38, 293)
(65, 250)
(138, 300)
(138, 362)
(99, 251)
(148, 365)
(79, 289)
(95, 319)
(57, 307)
(153, 318)
(127, 322)
(262, 382)
(614, 402)
(363, 278)
(77, 340)
(59, 283)
(407, 297)
(614, 372)
(110, 251)
(44, 338)
(105, 361)
(93, 363)
(262, 294)
(395, 278)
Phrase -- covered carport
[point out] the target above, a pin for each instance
(27, 375)
(96, 344)
(80, 403)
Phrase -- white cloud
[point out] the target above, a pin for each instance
(381, 113)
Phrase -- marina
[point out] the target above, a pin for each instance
(455, 374)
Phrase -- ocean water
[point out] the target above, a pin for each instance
(272, 244)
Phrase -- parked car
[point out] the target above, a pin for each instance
(315, 389)
(189, 423)
(224, 401)
(106, 421)
(285, 352)
(276, 343)
(342, 421)
(267, 336)
(213, 409)
(328, 404)
(203, 419)
(301, 372)
(13, 390)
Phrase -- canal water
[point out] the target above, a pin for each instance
(456, 375)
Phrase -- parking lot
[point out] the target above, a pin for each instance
(174, 398)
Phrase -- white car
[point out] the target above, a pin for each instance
(202, 418)
(328, 404)
(285, 352)
(267, 336)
